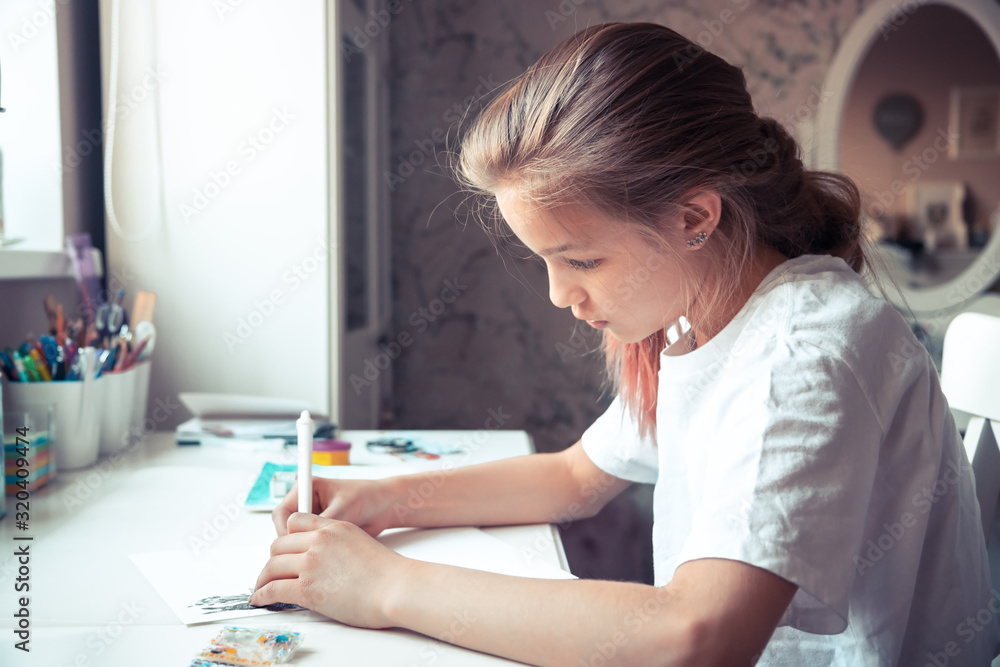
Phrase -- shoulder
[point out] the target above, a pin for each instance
(820, 316)
(820, 300)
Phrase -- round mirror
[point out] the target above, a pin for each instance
(911, 114)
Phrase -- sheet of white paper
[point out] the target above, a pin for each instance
(467, 547)
(214, 585)
(211, 586)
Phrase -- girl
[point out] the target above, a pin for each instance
(813, 502)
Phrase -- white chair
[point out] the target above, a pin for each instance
(970, 379)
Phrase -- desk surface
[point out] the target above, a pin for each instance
(89, 605)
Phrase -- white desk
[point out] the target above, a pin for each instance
(91, 606)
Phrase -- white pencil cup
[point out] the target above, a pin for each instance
(77, 418)
(141, 371)
(125, 395)
(119, 389)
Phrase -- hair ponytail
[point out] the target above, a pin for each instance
(809, 212)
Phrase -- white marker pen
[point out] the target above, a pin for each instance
(304, 431)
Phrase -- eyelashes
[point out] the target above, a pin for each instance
(576, 264)
(584, 265)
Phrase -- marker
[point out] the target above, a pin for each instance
(132, 357)
(22, 372)
(304, 430)
(8, 371)
(40, 366)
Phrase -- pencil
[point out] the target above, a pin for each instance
(304, 429)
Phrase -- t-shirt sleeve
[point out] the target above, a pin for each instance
(614, 445)
(800, 445)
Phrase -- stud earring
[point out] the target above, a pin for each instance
(697, 240)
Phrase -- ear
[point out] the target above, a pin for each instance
(701, 217)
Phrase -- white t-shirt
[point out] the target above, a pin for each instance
(810, 438)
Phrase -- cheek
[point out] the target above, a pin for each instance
(634, 284)
(613, 289)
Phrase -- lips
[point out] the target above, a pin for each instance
(592, 322)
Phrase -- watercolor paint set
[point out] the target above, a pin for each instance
(248, 646)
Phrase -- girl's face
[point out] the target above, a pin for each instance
(601, 269)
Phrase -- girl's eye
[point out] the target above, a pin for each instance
(584, 265)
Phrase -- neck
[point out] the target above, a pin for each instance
(766, 260)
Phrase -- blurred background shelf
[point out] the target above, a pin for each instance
(34, 264)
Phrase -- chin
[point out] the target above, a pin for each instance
(624, 337)
(630, 336)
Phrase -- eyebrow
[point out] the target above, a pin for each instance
(555, 251)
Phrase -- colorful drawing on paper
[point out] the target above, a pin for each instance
(227, 603)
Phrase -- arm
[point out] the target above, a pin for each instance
(714, 611)
(537, 488)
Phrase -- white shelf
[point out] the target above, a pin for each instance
(34, 264)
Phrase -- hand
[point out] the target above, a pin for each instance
(367, 504)
(332, 567)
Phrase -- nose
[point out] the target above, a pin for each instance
(564, 290)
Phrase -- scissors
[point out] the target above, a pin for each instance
(109, 318)
(391, 446)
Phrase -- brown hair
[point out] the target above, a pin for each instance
(632, 119)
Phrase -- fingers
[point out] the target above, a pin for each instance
(290, 504)
(280, 522)
(293, 543)
(284, 510)
(300, 522)
(284, 566)
(279, 590)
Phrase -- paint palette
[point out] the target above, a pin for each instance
(248, 646)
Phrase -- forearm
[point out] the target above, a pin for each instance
(543, 622)
(538, 488)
